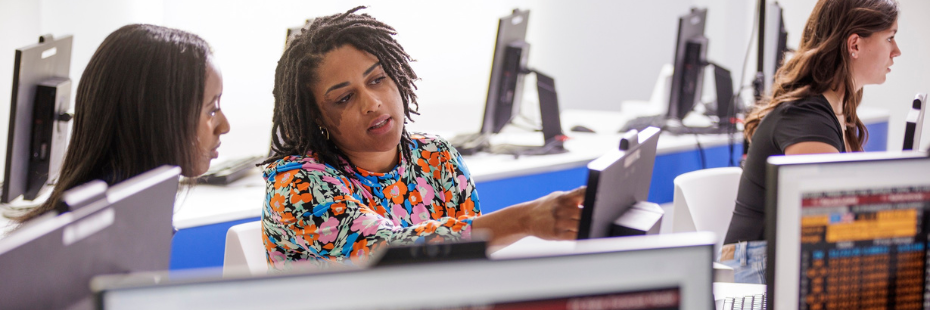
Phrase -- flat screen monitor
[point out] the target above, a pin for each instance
(617, 181)
(690, 57)
(505, 88)
(38, 132)
(49, 263)
(848, 231)
(646, 272)
(915, 123)
(776, 40)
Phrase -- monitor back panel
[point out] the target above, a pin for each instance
(33, 65)
(53, 261)
(617, 181)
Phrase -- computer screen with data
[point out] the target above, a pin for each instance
(646, 272)
(848, 231)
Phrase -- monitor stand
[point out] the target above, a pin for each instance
(643, 218)
(725, 110)
(551, 123)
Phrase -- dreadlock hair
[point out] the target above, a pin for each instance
(297, 116)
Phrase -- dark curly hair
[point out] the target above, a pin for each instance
(297, 118)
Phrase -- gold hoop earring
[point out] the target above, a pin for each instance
(324, 132)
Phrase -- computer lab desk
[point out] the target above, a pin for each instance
(204, 213)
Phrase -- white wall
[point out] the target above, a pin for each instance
(601, 52)
(910, 73)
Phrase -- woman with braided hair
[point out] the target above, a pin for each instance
(347, 177)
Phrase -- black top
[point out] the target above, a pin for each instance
(809, 119)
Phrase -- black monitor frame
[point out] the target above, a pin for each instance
(772, 48)
(690, 59)
(39, 122)
(505, 92)
(914, 124)
(505, 86)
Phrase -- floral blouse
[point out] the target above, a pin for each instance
(313, 212)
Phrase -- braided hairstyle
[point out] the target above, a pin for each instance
(297, 127)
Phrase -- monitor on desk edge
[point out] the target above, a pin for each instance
(616, 181)
(647, 272)
(914, 126)
(848, 230)
(39, 122)
(50, 261)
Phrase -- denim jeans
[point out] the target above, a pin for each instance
(747, 260)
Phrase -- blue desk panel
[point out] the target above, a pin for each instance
(203, 246)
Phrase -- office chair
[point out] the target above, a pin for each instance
(245, 250)
(704, 200)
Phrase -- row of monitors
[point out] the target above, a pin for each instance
(41, 95)
(844, 231)
(841, 227)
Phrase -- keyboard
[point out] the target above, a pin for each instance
(227, 171)
(753, 302)
(640, 123)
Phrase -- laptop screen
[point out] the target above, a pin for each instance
(850, 231)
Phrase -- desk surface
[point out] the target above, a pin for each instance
(208, 204)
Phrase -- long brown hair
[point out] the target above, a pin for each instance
(822, 63)
(137, 107)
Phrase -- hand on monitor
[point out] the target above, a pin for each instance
(555, 216)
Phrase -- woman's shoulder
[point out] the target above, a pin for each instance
(811, 103)
(429, 142)
(290, 166)
(813, 107)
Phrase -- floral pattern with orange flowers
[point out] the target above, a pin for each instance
(313, 212)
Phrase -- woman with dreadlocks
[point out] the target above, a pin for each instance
(348, 178)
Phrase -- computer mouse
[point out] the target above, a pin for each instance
(579, 128)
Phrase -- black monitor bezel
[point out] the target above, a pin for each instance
(690, 29)
(511, 32)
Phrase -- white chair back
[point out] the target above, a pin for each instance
(704, 200)
(245, 250)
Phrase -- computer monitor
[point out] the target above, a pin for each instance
(775, 42)
(39, 121)
(505, 87)
(505, 90)
(915, 123)
(49, 263)
(617, 181)
(647, 272)
(848, 231)
(690, 59)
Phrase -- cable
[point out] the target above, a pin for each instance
(700, 147)
(732, 129)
